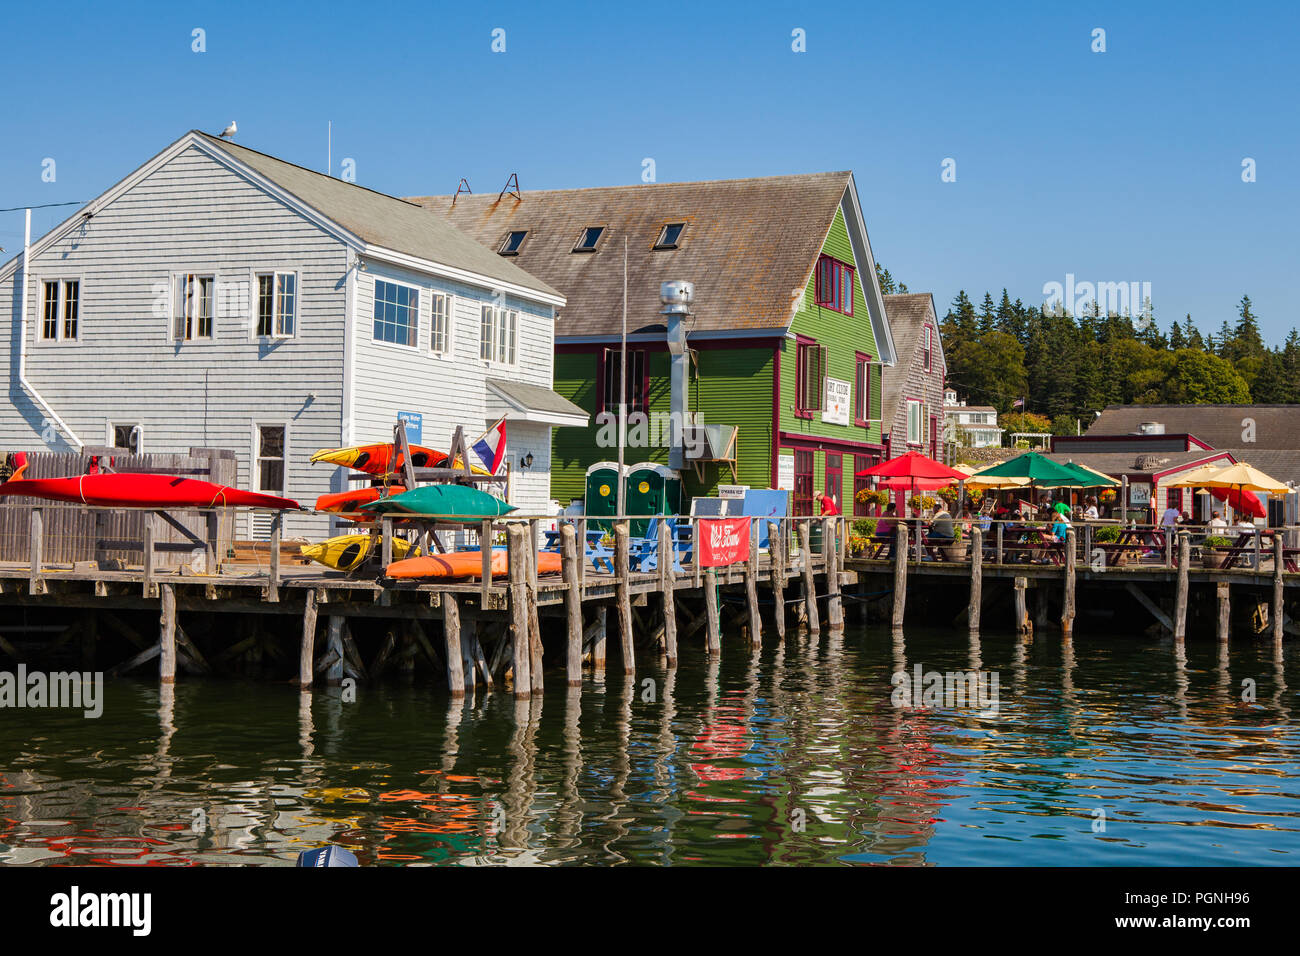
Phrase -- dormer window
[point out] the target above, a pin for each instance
(590, 236)
(510, 247)
(671, 233)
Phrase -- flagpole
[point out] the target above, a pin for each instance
(622, 397)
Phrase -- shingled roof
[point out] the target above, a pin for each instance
(1219, 426)
(384, 220)
(747, 245)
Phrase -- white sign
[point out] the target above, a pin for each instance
(785, 472)
(1139, 493)
(735, 491)
(838, 393)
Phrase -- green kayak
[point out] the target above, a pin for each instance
(448, 502)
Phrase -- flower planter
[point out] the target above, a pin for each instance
(1211, 558)
(954, 552)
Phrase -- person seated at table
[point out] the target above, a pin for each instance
(942, 529)
(1060, 525)
(885, 532)
(1246, 525)
(1090, 512)
(1217, 524)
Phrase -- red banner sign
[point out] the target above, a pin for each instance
(723, 541)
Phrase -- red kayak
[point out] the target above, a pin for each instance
(139, 491)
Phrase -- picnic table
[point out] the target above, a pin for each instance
(1021, 545)
(1245, 544)
(1136, 541)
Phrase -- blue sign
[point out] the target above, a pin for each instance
(414, 426)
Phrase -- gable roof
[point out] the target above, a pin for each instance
(908, 314)
(381, 219)
(1219, 426)
(374, 222)
(747, 245)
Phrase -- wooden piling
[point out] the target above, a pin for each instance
(751, 589)
(976, 579)
(1279, 610)
(307, 648)
(451, 645)
(536, 671)
(36, 542)
(1182, 586)
(1067, 599)
(776, 561)
(1023, 625)
(167, 637)
(713, 624)
(900, 576)
(668, 580)
(623, 594)
(273, 580)
(809, 583)
(572, 603)
(1225, 611)
(334, 650)
(521, 642)
(831, 551)
(149, 556)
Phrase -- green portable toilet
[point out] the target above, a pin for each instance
(652, 489)
(602, 492)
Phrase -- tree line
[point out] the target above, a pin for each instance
(1047, 362)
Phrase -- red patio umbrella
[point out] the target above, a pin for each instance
(1243, 502)
(912, 470)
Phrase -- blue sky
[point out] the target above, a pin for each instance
(1119, 166)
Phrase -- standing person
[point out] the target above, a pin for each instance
(1170, 518)
(826, 504)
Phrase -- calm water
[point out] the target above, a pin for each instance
(795, 756)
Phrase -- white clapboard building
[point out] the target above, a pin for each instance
(220, 297)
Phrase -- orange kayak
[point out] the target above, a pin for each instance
(347, 503)
(465, 564)
(380, 460)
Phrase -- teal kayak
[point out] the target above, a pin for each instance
(448, 502)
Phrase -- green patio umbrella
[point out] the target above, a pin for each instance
(1091, 477)
(1038, 471)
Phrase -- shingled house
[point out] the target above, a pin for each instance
(914, 387)
(786, 339)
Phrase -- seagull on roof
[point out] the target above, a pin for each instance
(230, 131)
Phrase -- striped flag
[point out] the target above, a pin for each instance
(490, 447)
(1018, 403)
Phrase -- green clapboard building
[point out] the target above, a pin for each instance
(785, 340)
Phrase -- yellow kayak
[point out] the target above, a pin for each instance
(347, 551)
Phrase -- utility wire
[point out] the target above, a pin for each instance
(48, 205)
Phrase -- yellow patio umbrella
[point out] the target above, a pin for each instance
(1243, 477)
(995, 482)
(1195, 477)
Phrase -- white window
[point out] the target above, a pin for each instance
(277, 304)
(499, 335)
(60, 310)
(440, 324)
(270, 459)
(914, 423)
(193, 312)
(397, 313)
(130, 437)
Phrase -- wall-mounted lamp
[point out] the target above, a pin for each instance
(526, 461)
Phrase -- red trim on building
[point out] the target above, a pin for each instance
(797, 440)
(776, 411)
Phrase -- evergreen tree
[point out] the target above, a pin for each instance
(1176, 339)
(1194, 340)
(986, 315)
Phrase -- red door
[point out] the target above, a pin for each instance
(835, 479)
(934, 437)
(803, 482)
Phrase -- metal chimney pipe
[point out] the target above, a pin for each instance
(677, 297)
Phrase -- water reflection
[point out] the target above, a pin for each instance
(790, 754)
